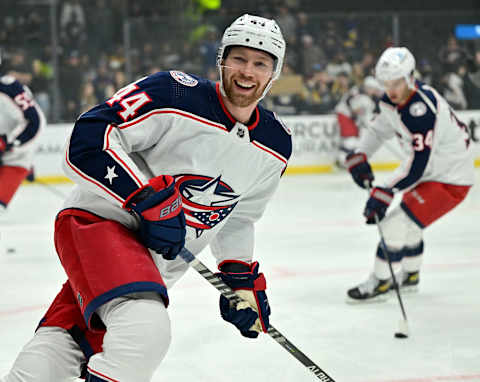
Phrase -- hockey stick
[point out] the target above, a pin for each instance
(226, 291)
(403, 324)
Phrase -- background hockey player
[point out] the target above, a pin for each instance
(167, 140)
(21, 121)
(435, 175)
(354, 111)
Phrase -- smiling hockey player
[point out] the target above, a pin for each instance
(165, 141)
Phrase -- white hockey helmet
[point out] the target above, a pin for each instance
(258, 33)
(396, 63)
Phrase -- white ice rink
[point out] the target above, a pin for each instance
(312, 245)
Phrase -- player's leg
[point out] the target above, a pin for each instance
(118, 287)
(425, 204)
(51, 355)
(136, 341)
(395, 227)
(403, 235)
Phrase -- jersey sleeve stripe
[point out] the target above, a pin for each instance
(171, 111)
(89, 179)
(271, 152)
(117, 157)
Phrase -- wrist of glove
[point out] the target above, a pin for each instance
(360, 169)
(158, 207)
(377, 204)
(251, 315)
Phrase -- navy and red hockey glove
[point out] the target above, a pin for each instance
(158, 206)
(377, 204)
(359, 168)
(251, 315)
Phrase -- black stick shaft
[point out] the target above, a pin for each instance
(226, 291)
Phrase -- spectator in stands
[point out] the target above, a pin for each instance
(310, 55)
(42, 74)
(472, 81)
(71, 78)
(451, 55)
(453, 88)
(18, 66)
(317, 96)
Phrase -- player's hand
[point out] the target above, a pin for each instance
(158, 206)
(377, 204)
(360, 169)
(251, 315)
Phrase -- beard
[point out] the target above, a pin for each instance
(241, 100)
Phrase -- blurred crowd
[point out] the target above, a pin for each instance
(101, 46)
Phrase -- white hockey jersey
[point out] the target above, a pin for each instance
(434, 142)
(21, 121)
(176, 124)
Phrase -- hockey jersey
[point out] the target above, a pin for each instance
(434, 142)
(21, 121)
(176, 124)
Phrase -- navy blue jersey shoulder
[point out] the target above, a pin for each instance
(417, 113)
(272, 133)
(10, 86)
(198, 96)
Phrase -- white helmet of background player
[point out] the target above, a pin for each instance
(258, 33)
(396, 63)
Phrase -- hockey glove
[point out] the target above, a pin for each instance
(158, 206)
(377, 204)
(359, 168)
(250, 316)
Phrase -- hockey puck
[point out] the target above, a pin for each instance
(400, 335)
(11, 250)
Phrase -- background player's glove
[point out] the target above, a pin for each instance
(162, 221)
(251, 315)
(377, 204)
(359, 168)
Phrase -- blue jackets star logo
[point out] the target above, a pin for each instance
(111, 174)
(206, 201)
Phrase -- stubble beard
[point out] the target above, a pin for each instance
(241, 100)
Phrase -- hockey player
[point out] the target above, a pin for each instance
(21, 121)
(434, 177)
(166, 141)
(354, 111)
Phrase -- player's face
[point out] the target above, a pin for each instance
(246, 72)
(397, 90)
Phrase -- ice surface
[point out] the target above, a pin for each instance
(312, 245)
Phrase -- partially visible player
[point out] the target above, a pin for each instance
(165, 141)
(21, 121)
(354, 111)
(434, 177)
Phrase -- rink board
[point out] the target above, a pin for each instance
(315, 143)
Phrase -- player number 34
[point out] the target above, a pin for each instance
(420, 141)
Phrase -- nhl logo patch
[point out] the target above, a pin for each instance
(183, 78)
(418, 109)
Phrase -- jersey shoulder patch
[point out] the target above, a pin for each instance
(183, 78)
(417, 109)
(7, 80)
